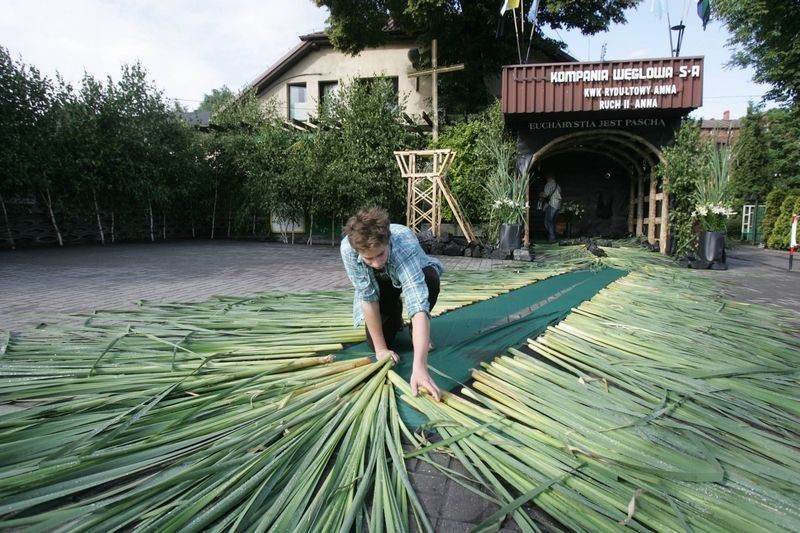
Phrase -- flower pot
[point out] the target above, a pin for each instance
(510, 236)
(561, 227)
(711, 247)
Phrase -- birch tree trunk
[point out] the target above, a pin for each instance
(310, 230)
(8, 226)
(164, 226)
(214, 210)
(99, 222)
(49, 203)
(150, 213)
(230, 215)
(113, 234)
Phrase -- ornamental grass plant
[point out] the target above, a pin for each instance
(713, 196)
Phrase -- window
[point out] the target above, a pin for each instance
(298, 102)
(393, 81)
(327, 88)
(395, 87)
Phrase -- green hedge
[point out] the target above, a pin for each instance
(779, 236)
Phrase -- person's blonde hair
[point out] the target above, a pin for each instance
(368, 228)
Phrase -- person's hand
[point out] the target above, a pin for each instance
(422, 378)
(383, 354)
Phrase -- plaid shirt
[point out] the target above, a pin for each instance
(404, 267)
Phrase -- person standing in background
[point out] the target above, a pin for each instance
(552, 196)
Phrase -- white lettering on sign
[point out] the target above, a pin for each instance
(649, 73)
(591, 92)
(589, 124)
(645, 103)
(610, 104)
(684, 71)
(665, 89)
(645, 122)
(578, 75)
(626, 91)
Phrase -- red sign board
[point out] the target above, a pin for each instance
(611, 86)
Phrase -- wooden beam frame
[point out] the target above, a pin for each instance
(426, 171)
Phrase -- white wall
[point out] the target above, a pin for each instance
(327, 64)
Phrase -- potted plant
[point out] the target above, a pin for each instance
(712, 205)
(507, 190)
(571, 212)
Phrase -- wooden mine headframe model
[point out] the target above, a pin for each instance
(426, 171)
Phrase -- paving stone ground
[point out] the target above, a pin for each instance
(87, 278)
(47, 281)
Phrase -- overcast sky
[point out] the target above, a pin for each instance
(191, 47)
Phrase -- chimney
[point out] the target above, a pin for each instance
(726, 115)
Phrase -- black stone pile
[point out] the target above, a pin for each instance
(452, 245)
(592, 246)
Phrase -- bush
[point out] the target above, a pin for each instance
(473, 162)
(779, 236)
(684, 165)
(773, 210)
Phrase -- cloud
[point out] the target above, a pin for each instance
(639, 53)
(187, 47)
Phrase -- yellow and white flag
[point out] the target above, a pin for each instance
(509, 4)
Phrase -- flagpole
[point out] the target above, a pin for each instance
(516, 32)
(669, 29)
(535, 11)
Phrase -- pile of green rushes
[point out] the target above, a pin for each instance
(219, 415)
(657, 405)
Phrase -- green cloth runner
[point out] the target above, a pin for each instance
(481, 331)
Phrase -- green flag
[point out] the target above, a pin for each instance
(704, 11)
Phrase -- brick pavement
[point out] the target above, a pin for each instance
(760, 276)
(86, 278)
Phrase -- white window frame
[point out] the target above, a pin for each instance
(297, 110)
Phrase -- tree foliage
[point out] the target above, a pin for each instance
(213, 101)
(473, 162)
(764, 37)
(467, 33)
(772, 212)
(769, 153)
(752, 176)
(781, 230)
(783, 126)
(360, 128)
(683, 167)
(111, 152)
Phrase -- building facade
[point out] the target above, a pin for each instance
(598, 127)
(300, 80)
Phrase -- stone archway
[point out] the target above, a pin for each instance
(638, 157)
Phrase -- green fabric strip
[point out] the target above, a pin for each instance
(481, 331)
